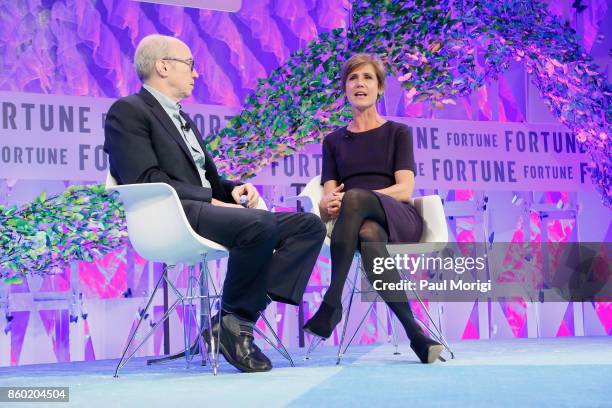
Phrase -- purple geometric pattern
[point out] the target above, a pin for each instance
(18, 333)
(56, 324)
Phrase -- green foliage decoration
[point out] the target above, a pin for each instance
(43, 236)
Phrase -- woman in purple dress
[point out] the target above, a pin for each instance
(368, 179)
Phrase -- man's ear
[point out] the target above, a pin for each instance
(161, 68)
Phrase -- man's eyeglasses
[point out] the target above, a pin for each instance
(189, 61)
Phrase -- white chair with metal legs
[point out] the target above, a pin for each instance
(159, 231)
(435, 235)
(434, 238)
(313, 192)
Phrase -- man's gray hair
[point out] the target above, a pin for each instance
(150, 49)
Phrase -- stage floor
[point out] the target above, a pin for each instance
(557, 372)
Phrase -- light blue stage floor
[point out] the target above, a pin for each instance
(562, 372)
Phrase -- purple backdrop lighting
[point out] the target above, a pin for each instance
(83, 48)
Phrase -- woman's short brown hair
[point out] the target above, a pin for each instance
(359, 60)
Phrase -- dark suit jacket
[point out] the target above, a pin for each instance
(144, 146)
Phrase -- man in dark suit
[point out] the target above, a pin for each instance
(149, 139)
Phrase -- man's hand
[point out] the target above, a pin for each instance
(332, 201)
(251, 193)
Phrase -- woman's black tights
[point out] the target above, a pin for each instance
(362, 220)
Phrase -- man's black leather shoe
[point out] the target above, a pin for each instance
(237, 344)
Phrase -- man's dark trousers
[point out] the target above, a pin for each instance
(270, 253)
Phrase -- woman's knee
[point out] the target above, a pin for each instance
(354, 199)
(371, 231)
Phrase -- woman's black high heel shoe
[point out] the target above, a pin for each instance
(426, 349)
(324, 321)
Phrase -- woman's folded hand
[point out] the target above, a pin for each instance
(332, 201)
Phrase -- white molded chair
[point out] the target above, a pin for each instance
(433, 238)
(160, 232)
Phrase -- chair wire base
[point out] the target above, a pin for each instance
(199, 345)
(186, 299)
(279, 345)
(316, 340)
(434, 332)
(195, 347)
